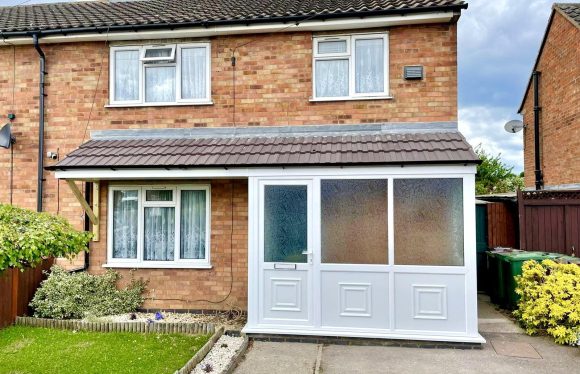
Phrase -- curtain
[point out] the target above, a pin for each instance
(159, 234)
(159, 195)
(369, 66)
(193, 73)
(193, 224)
(125, 222)
(335, 46)
(331, 78)
(158, 52)
(160, 84)
(126, 75)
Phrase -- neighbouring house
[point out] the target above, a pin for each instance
(549, 211)
(298, 160)
(557, 71)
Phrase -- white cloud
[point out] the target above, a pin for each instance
(484, 125)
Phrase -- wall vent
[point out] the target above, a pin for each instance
(413, 72)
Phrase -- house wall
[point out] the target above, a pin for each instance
(560, 101)
(273, 87)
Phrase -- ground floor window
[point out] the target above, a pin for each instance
(159, 226)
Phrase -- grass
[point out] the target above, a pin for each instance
(35, 350)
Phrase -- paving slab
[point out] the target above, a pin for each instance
(508, 350)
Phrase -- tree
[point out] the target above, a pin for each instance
(27, 237)
(494, 176)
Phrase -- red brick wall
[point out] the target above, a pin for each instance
(274, 84)
(560, 101)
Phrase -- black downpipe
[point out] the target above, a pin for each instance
(537, 110)
(39, 189)
(88, 198)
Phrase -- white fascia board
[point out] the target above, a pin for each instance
(197, 32)
(205, 173)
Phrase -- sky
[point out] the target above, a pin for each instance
(498, 41)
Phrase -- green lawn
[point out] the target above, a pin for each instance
(34, 350)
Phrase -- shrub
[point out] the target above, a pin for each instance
(65, 295)
(550, 300)
(27, 237)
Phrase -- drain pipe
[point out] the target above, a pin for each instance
(537, 109)
(39, 189)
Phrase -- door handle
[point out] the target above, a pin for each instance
(310, 255)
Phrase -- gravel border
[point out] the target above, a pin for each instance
(222, 359)
(200, 355)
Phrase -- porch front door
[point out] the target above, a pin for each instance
(285, 250)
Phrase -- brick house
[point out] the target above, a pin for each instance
(278, 158)
(558, 74)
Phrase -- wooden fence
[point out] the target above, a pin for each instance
(17, 289)
(550, 221)
(502, 227)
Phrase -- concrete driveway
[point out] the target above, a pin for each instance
(508, 350)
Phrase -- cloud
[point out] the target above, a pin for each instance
(483, 125)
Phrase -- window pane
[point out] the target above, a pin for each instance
(354, 221)
(125, 223)
(331, 78)
(335, 46)
(193, 225)
(126, 75)
(193, 73)
(160, 84)
(285, 223)
(158, 52)
(159, 195)
(428, 222)
(369, 65)
(159, 230)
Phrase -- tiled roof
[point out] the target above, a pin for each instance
(91, 14)
(281, 150)
(572, 10)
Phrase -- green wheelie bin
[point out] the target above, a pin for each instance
(495, 274)
(511, 263)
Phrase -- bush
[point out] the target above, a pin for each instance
(550, 300)
(27, 237)
(65, 295)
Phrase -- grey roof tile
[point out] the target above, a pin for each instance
(91, 14)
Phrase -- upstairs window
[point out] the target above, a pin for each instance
(350, 67)
(160, 74)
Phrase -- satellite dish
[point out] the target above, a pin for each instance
(6, 138)
(514, 126)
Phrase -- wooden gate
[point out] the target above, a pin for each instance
(550, 221)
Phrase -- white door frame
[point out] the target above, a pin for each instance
(467, 272)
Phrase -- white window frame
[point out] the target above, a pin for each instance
(350, 54)
(170, 58)
(178, 262)
(160, 62)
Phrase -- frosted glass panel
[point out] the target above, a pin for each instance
(193, 73)
(159, 234)
(331, 78)
(193, 222)
(369, 65)
(285, 223)
(428, 222)
(126, 75)
(159, 195)
(334, 46)
(125, 223)
(354, 221)
(160, 84)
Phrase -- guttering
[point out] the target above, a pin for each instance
(39, 189)
(213, 28)
(537, 109)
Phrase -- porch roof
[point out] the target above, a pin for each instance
(271, 147)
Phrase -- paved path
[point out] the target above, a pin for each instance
(503, 338)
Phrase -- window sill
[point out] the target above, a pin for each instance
(328, 99)
(141, 265)
(141, 105)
